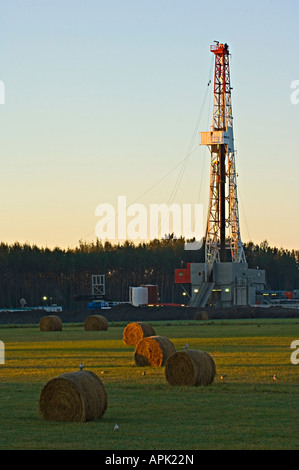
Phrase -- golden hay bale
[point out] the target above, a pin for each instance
(74, 396)
(153, 351)
(50, 323)
(95, 323)
(201, 315)
(135, 332)
(190, 367)
(204, 315)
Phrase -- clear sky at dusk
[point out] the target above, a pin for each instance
(102, 98)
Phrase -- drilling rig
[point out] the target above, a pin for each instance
(224, 279)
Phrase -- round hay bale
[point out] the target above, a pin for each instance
(96, 323)
(74, 396)
(136, 331)
(204, 315)
(190, 367)
(201, 315)
(153, 351)
(50, 323)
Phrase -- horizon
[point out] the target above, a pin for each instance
(133, 242)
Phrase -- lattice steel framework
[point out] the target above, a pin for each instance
(223, 227)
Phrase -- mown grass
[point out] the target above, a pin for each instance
(248, 410)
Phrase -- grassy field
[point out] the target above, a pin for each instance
(248, 410)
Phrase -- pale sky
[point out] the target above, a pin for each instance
(102, 98)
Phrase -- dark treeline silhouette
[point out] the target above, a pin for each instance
(32, 273)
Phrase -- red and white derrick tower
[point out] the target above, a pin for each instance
(224, 279)
(223, 227)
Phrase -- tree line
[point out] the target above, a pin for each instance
(43, 275)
